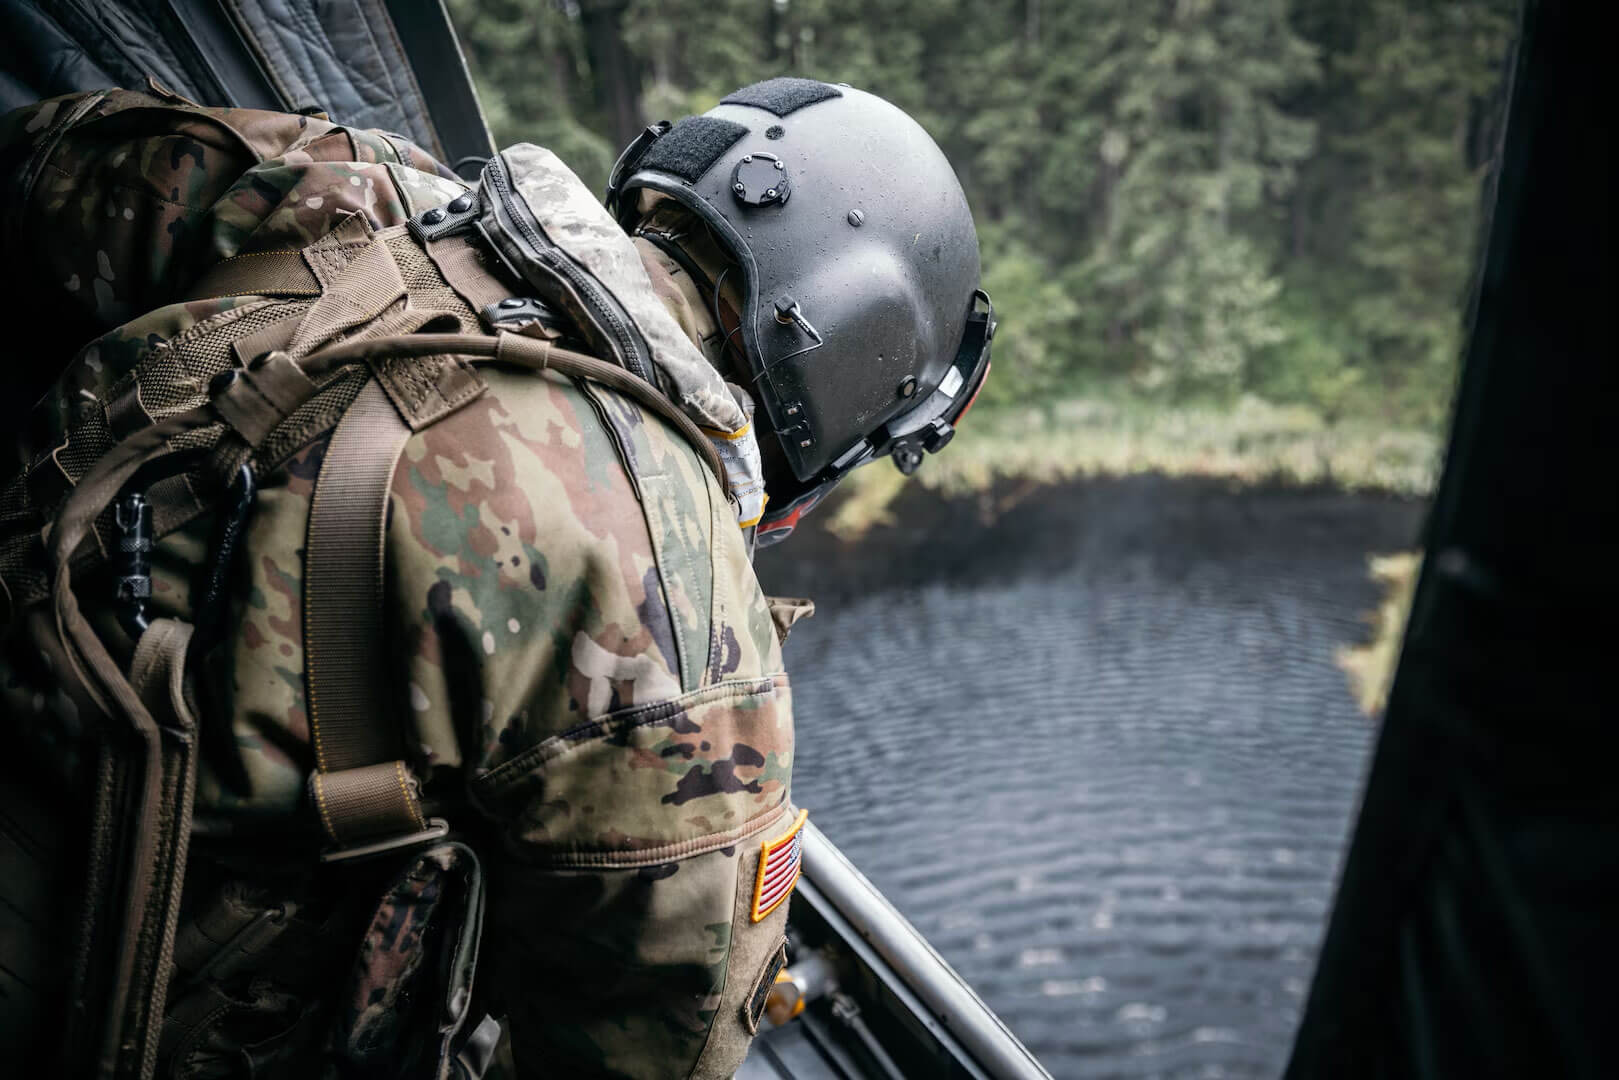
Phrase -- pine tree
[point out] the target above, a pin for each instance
(1385, 224)
(1185, 197)
(534, 78)
(1195, 148)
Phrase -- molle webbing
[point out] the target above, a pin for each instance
(211, 410)
(265, 273)
(275, 404)
(462, 264)
(174, 376)
(361, 788)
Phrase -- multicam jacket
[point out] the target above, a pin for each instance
(577, 648)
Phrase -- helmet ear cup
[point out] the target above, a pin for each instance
(863, 309)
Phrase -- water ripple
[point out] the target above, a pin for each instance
(1115, 797)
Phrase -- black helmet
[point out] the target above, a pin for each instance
(861, 316)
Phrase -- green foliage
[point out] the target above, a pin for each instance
(1027, 295)
(532, 73)
(1187, 201)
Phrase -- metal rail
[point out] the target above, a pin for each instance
(902, 958)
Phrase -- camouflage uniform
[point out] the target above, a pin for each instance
(584, 661)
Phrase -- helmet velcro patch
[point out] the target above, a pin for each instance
(783, 95)
(692, 146)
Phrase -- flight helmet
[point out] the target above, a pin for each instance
(862, 325)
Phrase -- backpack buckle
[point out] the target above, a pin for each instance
(436, 829)
(370, 809)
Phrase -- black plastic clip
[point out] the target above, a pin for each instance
(435, 829)
(440, 221)
(795, 427)
(523, 315)
(132, 514)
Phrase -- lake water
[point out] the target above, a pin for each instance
(1094, 744)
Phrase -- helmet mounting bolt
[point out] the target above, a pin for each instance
(857, 217)
(907, 456)
(760, 180)
(907, 386)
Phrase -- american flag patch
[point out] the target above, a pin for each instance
(780, 861)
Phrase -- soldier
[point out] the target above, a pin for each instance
(446, 624)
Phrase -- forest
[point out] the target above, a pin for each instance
(1217, 205)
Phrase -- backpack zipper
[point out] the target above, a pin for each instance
(610, 316)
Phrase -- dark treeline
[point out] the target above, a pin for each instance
(1178, 199)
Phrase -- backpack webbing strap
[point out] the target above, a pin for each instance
(361, 788)
(158, 674)
(465, 270)
(260, 273)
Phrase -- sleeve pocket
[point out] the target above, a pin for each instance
(651, 783)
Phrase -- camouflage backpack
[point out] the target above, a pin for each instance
(367, 334)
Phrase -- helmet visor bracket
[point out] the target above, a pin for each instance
(932, 423)
(922, 427)
(929, 427)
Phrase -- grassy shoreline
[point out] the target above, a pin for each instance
(1005, 455)
(1251, 443)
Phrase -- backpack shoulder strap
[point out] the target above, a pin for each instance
(364, 791)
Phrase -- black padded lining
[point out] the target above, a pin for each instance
(784, 95)
(692, 146)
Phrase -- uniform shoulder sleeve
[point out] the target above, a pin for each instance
(562, 558)
(585, 634)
